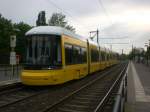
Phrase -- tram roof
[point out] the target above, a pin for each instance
(55, 30)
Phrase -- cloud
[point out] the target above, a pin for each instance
(77, 7)
(118, 18)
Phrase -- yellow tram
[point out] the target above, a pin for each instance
(56, 55)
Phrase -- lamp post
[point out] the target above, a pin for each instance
(147, 47)
(96, 33)
(13, 53)
(148, 51)
(132, 52)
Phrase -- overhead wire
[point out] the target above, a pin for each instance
(67, 13)
(81, 24)
(105, 11)
(111, 23)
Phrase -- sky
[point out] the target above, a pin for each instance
(121, 23)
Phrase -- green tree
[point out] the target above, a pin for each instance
(6, 29)
(137, 53)
(21, 28)
(58, 19)
(41, 21)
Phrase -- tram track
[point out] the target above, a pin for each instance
(11, 89)
(18, 94)
(15, 100)
(89, 98)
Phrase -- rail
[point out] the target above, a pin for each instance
(121, 95)
(57, 104)
(105, 99)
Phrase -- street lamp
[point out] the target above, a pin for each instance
(147, 58)
(12, 52)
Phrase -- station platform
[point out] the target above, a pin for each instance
(138, 88)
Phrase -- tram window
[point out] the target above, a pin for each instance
(35, 48)
(68, 54)
(83, 55)
(30, 47)
(76, 55)
(97, 55)
(57, 51)
(58, 46)
(100, 57)
(103, 56)
(42, 46)
(94, 55)
(44, 51)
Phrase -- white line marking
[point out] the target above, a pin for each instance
(139, 89)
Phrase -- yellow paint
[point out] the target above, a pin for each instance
(67, 72)
(94, 67)
(42, 77)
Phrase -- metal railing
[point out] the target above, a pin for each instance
(121, 96)
(8, 72)
(104, 102)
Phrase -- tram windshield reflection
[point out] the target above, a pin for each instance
(43, 51)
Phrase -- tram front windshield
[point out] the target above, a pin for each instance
(43, 51)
